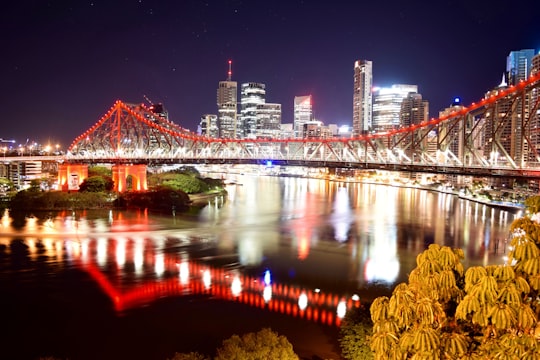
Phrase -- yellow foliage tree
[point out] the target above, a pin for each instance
(487, 312)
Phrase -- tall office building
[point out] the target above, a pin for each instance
(518, 65)
(251, 96)
(303, 113)
(534, 115)
(209, 126)
(414, 110)
(387, 106)
(535, 61)
(362, 97)
(227, 107)
(268, 121)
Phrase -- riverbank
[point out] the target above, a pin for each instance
(202, 199)
(504, 205)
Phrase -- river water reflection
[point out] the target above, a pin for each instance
(303, 247)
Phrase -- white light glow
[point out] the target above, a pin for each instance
(207, 279)
(341, 309)
(184, 272)
(236, 286)
(267, 293)
(302, 301)
(159, 265)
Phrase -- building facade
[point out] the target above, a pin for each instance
(227, 109)
(209, 126)
(251, 96)
(362, 96)
(387, 106)
(519, 65)
(268, 121)
(303, 113)
(414, 110)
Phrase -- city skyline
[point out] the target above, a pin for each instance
(68, 64)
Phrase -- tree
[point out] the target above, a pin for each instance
(485, 313)
(99, 171)
(96, 183)
(188, 356)
(262, 345)
(186, 183)
(162, 198)
(355, 332)
(6, 185)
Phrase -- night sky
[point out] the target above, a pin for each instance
(64, 63)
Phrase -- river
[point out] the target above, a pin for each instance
(134, 284)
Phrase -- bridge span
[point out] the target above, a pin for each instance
(498, 136)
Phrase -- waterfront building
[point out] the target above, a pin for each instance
(387, 106)
(449, 137)
(414, 110)
(303, 113)
(227, 98)
(313, 130)
(362, 96)
(287, 131)
(251, 96)
(519, 65)
(534, 114)
(268, 121)
(208, 126)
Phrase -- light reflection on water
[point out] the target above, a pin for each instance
(319, 239)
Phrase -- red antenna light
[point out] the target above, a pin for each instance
(229, 74)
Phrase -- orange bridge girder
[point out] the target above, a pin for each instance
(137, 172)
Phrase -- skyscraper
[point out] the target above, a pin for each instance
(227, 107)
(268, 121)
(251, 96)
(414, 110)
(362, 98)
(387, 106)
(534, 114)
(303, 113)
(518, 65)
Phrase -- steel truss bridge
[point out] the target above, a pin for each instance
(496, 136)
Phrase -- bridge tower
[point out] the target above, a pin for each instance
(70, 176)
(120, 173)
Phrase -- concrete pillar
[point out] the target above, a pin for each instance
(137, 172)
(70, 176)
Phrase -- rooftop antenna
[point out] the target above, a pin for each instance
(229, 73)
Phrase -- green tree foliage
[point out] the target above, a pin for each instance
(355, 333)
(262, 345)
(164, 199)
(190, 170)
(443, 312)
(99, 171)
(56, 200)
(96, 183)
(6, 185)
(35, 185)
(188, 356)
(186, 183)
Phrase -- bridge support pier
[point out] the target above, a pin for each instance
(137, 173)
(70, 176)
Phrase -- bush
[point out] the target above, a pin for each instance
(262, 345)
